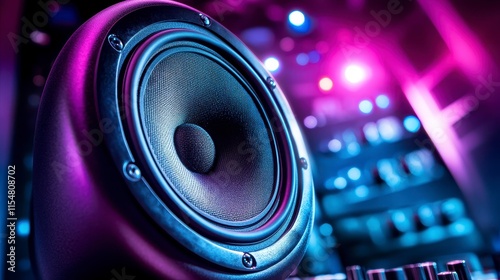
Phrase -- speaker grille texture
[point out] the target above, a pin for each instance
(189, 87)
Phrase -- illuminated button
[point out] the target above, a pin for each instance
(23, 227)
(399, 223)
(272, 64)
(452, 210)
(334, 145)
(326, 229)
(382, 101)
(353, 149)
(425, 217)
(310, 122)
(362, 191)
(365, 106)
(297, 18)
(411, 123)
(370, 132)
(340, 183)
(325, 84)
(302, 59)
(390, 129)
(354, 173)
(354, 74)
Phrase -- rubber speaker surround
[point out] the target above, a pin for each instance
(148, 73)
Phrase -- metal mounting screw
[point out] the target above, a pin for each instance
(248, 260)
(115, 42)
(205, 20)
(271, 82)
(303, 163)
(132, 172)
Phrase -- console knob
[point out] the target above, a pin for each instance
(448, 275)
(460, 267)
(355, 272)
(376, 274)
(430, 270)
(414, 272)
(395, 274)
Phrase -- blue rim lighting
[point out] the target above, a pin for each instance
(411, 123)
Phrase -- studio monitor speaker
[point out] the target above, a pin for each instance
(164, 150)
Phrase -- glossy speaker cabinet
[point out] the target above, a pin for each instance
(164, 150)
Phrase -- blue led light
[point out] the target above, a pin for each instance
(314, 56)
(258, 36)
(272, 64)
(23, 227)
(311, 122)
(340, 183)
(382, 101)
(354, 173)
(334, 145)
(390, 129)
(329, 184)
(370, 131)
(353, 149)
(365, 106)
(326, 229)
(299, 22)
(302, 59)
(411, 123)
(362, 191)
(296, 18)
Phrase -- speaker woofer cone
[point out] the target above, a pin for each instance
(227, 106)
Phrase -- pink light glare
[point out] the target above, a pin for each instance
(325, 84)
(464, 46)
(370, 60)
(355, 73)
